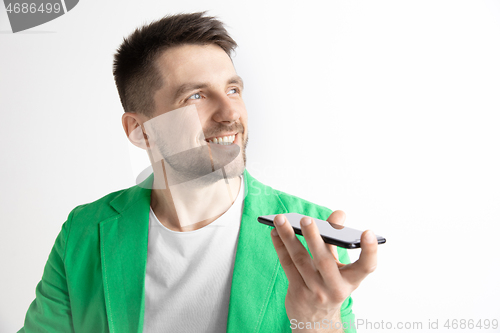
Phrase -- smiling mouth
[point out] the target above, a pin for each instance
(223, 140)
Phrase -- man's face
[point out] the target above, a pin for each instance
(203, 93)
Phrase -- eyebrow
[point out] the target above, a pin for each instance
(184, 88)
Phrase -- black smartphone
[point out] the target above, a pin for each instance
(335, 234)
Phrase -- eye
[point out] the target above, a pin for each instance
(195, 96)
(233, 91)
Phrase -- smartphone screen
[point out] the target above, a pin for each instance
(335, 234)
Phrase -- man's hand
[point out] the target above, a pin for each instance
(318, 286)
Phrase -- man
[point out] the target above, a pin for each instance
(183, 251)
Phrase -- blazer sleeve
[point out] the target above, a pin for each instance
(51, 309)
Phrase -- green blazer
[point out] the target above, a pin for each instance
(94, 277)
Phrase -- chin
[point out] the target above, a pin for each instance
(235, 168)
(232, 170)
(197, 170)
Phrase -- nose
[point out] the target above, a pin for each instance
(225, 111)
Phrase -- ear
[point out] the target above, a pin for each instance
(132, 124)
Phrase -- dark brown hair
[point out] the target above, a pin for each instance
(134, 67)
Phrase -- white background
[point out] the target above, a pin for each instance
(388, 110)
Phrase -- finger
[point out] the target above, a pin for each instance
(337, 217)
(334, 252)
(291, 272)
(296, 250)
(367, 262)
(340, 265)
(324, 261)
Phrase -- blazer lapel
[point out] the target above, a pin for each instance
(124, 247)
(256, 264)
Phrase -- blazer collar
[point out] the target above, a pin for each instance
(124, 247)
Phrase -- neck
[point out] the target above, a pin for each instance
(190, 205)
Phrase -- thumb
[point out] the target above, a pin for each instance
(337, 217)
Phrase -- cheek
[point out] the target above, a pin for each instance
(243, 112)
(244, 120)
(177, 129)
(204, 120)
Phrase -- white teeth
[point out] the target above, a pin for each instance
(225, 140)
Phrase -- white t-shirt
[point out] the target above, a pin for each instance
(189, 274)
